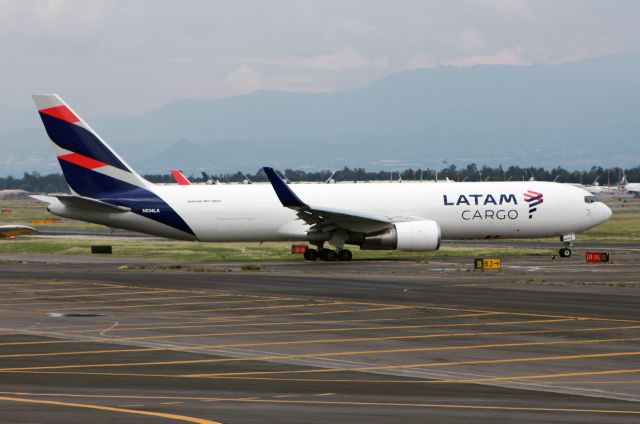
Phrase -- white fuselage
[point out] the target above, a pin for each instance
(632, 188)
(472, 210)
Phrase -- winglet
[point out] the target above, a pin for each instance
(287, 197)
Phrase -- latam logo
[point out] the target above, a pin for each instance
(533, 198)
(480, 200)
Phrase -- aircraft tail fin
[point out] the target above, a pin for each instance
(90, 166)
(179, 177)
(624, 181)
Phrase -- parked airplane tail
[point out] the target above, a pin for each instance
(624, 181)
(179, 177)
(90, 166)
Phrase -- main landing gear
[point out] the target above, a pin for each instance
(328, 254)
(567, 239)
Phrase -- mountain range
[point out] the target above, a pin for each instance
(576, 115)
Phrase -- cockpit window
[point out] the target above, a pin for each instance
(590, 199)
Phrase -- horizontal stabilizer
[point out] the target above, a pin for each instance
(81, 203)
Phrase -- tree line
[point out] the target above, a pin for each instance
(605, 176)
(55, 183)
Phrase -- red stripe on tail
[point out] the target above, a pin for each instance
(83, 161)
(61, 112)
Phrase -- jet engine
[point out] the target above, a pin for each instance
(410, 236)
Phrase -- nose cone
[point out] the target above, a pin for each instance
(604, 213)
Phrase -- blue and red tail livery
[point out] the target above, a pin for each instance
(72, 135)
(93, 169)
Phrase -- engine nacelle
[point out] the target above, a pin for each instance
(410, 236)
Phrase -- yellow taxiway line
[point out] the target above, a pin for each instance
(355, 353)
(271, 332)
(320, 341)
(135, 299)
(329, 402)
(266, 324)
(174, 417)
(228, 319)
(425, 365)
(408, 380)
(169, 305)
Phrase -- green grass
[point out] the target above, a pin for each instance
(205, 252)
(620, 228)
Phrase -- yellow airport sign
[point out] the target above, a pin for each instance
(487, 263)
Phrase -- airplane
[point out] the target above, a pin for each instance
(179, 177)
(379, 216)
(16, 230)
(245, 179)
(631, 188)
(207, 179)
(596, 188)
(330, 180)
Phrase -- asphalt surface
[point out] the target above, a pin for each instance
(98, 339)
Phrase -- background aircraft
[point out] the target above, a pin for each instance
(179, 177)
(631, 188)
(15, 230)
(208, 179)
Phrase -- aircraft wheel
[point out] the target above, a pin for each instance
(311, 254)
(565, 252)
(344, 255)
(328, 255)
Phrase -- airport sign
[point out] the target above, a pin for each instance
(596, 257)
(487, 263)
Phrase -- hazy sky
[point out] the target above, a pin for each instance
(123, 57)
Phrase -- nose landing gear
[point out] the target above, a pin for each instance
(567, 240)
(564, 252)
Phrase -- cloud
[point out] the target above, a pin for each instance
(351, 26)
(504, 57)
(338, 60)
(467, 40)
(422, 60)
(32, 21)
(151, 52)
(509, 9)
(244, 80)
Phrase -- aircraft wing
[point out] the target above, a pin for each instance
(81, 202)
(322, 218)
(16, 230)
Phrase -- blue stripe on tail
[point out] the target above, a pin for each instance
(78, 140)
(89, 183)
(95, 185)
